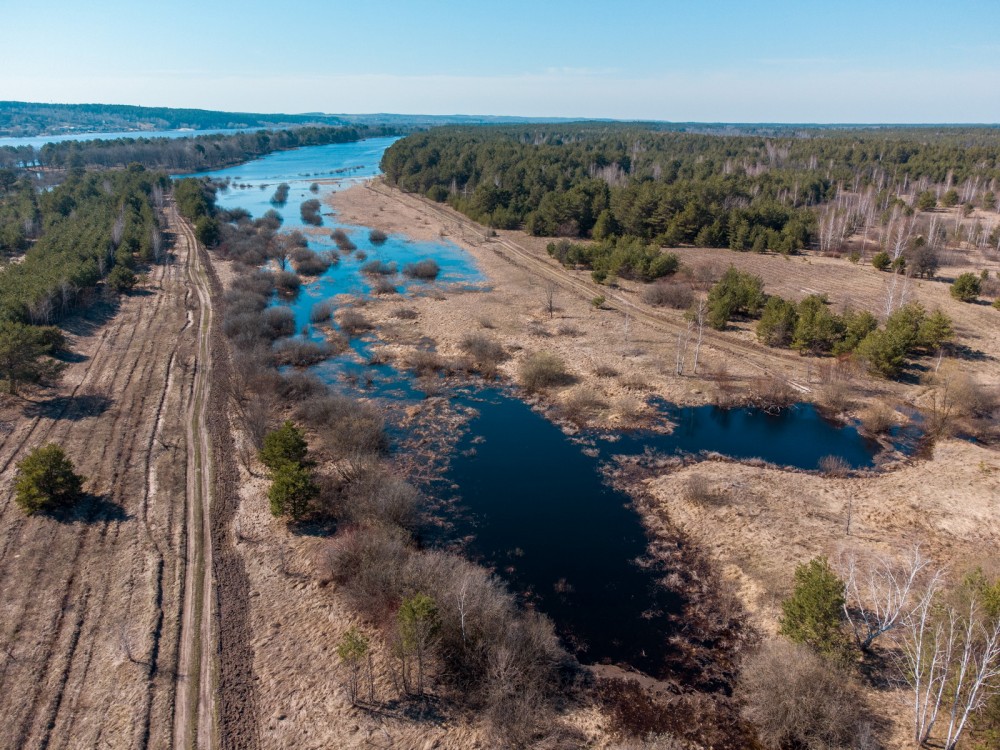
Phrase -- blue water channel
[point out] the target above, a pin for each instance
(532, 502)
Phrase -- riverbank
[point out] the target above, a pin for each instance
(755, 524)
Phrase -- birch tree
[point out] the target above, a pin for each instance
(878, 594)
(950, 659)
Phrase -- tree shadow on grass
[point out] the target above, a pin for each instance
(88, 509)
(73, 408)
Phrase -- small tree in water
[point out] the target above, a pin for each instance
(46, 480)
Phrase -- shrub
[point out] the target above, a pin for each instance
(292, 490)
(834, 466)
(121, 279)
(46, 480)
(348, 427)
(817, 330)
(373, 495)
(544, 370)
(278, 322)
(309, 263)
(424, 362)
(736, 293)
(377, 237)
(406, 313)
(284, 445)
(301, 352)
(287, 283)
(777, 322)
(344, 243)
(485, 352)
(298, 386)
(677, 295)
(378, 268)
(581, 405)
(881, 261)
(353, 322)
(310, 212)
(813, 613)
(966, 287)
(425, 270)
(24, 353)
(321, 312)
(383, 285)
(796, 699)
(699, 490)
(877, 419)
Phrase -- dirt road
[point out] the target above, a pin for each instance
(194, 717)
(108, 613)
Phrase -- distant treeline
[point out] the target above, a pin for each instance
(181, 154)
(32, 118)
(606, 180)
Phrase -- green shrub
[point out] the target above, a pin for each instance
(285, 445)
(881, 261)
(736, 293)
(292, 489)
(966, 287)
(777, 322)
(46, 480)
(817, 330)
(813, 613)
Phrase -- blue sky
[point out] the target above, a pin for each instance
(775, 61)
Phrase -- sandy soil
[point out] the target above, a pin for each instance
(767, 520)
(91, 602)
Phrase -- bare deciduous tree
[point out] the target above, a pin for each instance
(951, 662)
(878, 594)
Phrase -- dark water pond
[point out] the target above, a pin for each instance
(535, 505)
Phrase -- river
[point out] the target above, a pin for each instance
(534, 502)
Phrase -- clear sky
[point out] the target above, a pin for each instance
(774, 61)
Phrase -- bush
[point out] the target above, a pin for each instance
(382, 285)
(485, 352)
(309, 263)
(301, 352)
(344, 243)
(284, 445)
(375, 496)
(321, 312)
(121, 279)
(287, 283)
(878, 419)
(348, 427)
(278, 322)
(46, 480)
(679, 296)
(796, 699)
(425, 270)
(298, 386)
(777, 322)
(881, 261)
(310, 212)
(378, 268)
(834, 466)
(544, 370)
(813, 613)
(292, 490)
(353, 322)
(966, 287)
(736, 293)
(377, 237)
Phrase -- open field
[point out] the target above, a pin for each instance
(91, 602)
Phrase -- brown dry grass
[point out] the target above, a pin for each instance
(90, 604)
